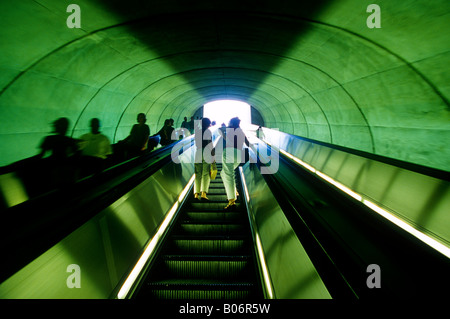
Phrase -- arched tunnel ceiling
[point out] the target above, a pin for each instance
(311, 68)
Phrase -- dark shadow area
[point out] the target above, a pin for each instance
(207, 34)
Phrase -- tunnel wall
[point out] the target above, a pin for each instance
(321, 74)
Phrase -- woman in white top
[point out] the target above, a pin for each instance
(233, 140)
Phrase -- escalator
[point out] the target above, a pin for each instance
(208, 253)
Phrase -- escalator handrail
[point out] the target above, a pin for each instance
(291, 202)
(410, 166)
(30, 228)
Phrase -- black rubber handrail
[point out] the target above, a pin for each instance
(30, 228)
(421, 169)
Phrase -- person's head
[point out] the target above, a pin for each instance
(166, 122)
(95, 125)
(61, 125)
(234, 122)
(206, 122)
(171, 122)
(141, 118)
(185, 118)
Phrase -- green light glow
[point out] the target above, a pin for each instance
(318, 72)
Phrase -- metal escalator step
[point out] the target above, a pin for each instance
(209, 244)
(205, 215)
(209, 228)
(200, 289)
(206, 266)
(209, 237)
(217, 186)
(218, 206)
(216, 191)
(245, 257)
(213, 198)
(216, 182)
(211, 220)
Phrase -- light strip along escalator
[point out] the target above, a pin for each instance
(208, 253)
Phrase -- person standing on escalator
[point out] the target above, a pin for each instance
(204, 157)
(136, 143)
(61, 164)
(233, 142)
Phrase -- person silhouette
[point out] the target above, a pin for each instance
(166, 133)
(190, 125)
(95, 149)
(136, 142)
(184, 124)
(61, 164)
(59, 145)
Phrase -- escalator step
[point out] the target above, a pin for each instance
(217, 182)
(209, 244)
(218, 191)
(213, 198)
(217, 187)
(208, 257)
(206, 267)
(202, 206)
(200, 289)
(209, 228)
(213, 215)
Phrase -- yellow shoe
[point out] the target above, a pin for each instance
(231, 205)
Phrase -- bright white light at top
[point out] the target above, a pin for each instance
(223, 110)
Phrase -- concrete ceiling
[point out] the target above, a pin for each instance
(311, 68)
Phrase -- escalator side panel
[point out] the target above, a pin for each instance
(105, 246)
(355, 237)
(292, 273)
